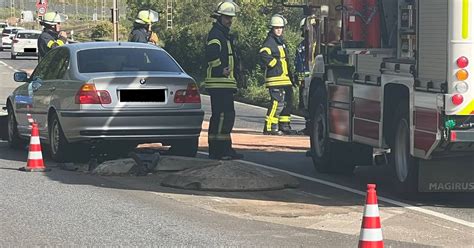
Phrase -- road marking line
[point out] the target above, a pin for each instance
(358, 192)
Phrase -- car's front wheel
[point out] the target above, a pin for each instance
(184, 147)
(58, 145)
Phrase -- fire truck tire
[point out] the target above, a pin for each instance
(328, 156)
(404, 165)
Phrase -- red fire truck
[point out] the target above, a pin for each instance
(396, 87)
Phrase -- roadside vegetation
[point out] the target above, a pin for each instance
(186, 40)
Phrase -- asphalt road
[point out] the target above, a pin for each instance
(64, 208)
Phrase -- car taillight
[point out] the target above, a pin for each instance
(15, 41)
(89, 95)
(189, 95)
(457, 99)
(462, 62)
(5, 35)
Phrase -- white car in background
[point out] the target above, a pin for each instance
(7, 35)
(25, 43)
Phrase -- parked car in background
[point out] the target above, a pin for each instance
(3, 25)
(7, 35)
(113, 95)
(25, 43)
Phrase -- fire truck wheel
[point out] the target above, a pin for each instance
(404, 165)
(328, 156)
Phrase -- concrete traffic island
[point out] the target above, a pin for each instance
(229, 176)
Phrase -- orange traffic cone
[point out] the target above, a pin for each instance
(371, 230)
(35, 157)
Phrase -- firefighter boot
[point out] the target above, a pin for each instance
(271, 129)
(286, 129)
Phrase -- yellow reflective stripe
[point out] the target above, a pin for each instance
(284, 65)
(220, 86)
(271, 118)
(468, 110)
(265, 49)
(221, 123)
(273, 62)
(273, 84)
(284, 119)
(214, 41)
(279, 78)
(215, 63)
(231, 60)
(50, 43)
(219, 80)
(465, 19)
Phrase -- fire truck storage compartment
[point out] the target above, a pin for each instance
(362, 23)
(340, 110)
(368, 65)
(432, 51)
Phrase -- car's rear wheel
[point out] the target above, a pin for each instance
(14, 139)
(58, 145)
(184, 147)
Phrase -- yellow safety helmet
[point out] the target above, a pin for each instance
(227, 8)
(147, 17)
(278, 21)
(53, 18)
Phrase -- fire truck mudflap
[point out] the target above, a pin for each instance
(450, 173)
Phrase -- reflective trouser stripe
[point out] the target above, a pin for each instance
(284, 119)
(271, 117)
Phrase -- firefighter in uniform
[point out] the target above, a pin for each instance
(141, 31)
(301, 72)
(278, 79)
(52, 36)
(220, 82)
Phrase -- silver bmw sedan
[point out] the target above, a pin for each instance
(115, 93)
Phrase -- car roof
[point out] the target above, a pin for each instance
(29, 31)
(106, 44)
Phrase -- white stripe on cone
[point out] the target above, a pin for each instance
(371, 210)
(35, 156)
(35, 140)
(371, 235)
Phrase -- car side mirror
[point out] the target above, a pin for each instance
(20, 76)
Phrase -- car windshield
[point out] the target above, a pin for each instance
(125, 59)
(27, 36)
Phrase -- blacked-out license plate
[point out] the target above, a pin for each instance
(152, 95)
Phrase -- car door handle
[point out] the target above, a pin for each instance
(52, 89)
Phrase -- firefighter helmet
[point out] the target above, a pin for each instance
(147, 17)
(53, 18)
(278, 21)
(227, 8)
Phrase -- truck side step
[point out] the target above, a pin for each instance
(379, 156)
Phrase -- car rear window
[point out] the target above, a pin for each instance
(7, 31)
(27, 36)
(125, 59)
